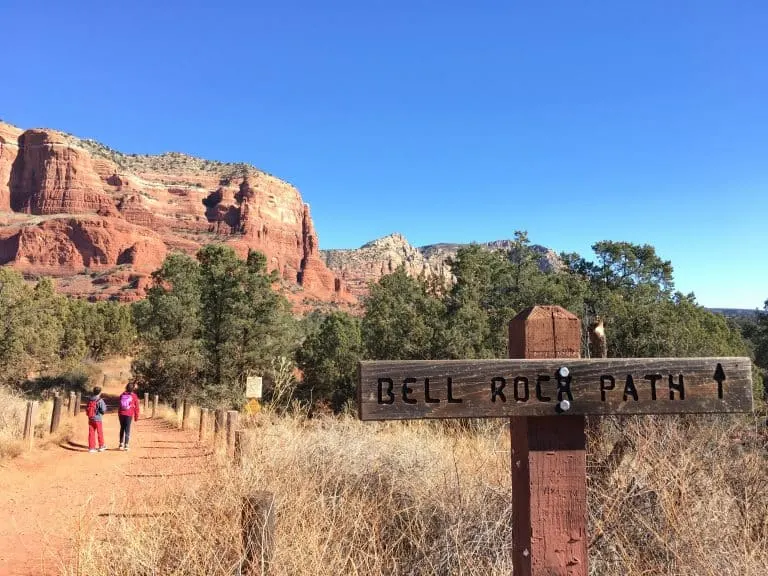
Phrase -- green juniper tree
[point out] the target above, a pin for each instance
(402, 320)
(208, 323)
(328, 358)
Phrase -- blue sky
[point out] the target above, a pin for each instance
(444, 121)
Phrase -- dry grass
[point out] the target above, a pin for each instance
(689, 497)
(13, 409)
(685, 496)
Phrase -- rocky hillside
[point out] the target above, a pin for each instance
(101, 221)
(357, 267)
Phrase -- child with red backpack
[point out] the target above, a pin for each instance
(95, 408)
(128, 412)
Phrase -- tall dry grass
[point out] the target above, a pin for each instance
(685, 495)
(13, 410)
(671, 496)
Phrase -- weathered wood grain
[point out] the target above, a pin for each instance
(218, 426)
(258, 532)
(549, 496)
(549, 459)
(203, 424)
(500, 388)
(29, 423)
(56, 414)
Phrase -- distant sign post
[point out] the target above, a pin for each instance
(253, 392)
(546, 400)
(253, 387)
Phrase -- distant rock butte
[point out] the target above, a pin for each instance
(101, 221)
(359, 266)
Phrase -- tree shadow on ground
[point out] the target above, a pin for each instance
(205, 454)
(133, 515)
(162, 475)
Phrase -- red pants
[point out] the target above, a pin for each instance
(95, 427)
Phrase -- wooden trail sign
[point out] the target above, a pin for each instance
(546, 391)
(391, 390)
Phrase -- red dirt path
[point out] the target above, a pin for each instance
(48, 497)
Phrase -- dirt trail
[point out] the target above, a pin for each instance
(48, 497)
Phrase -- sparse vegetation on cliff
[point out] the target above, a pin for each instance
(168, 162)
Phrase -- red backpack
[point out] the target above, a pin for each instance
(90, 409)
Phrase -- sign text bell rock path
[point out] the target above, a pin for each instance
(499, 388)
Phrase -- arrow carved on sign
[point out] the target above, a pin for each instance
(719, 378)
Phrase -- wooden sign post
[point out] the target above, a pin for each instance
(546, 390)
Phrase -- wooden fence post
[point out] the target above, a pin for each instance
(549, 475)
(76, 409)
(231, 427)
(56, 415)
(203, 424)
(258, 530)
(155, 399)
(238, 452)
(186, 405)
(71, 407)
(29, 424)
(176, 405)
(218, 426)
(146, 403)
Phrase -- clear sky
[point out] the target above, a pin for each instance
(445, 121)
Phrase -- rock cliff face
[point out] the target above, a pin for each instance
(357, 267)
(9, 148)
(101, 221)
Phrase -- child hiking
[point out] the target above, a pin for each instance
(129, 411)
(95, 408)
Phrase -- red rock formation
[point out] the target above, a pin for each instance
(50, 176)
(9, 148)
(314, 274)
(131, 210)
(134, 211)
(70, 245)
